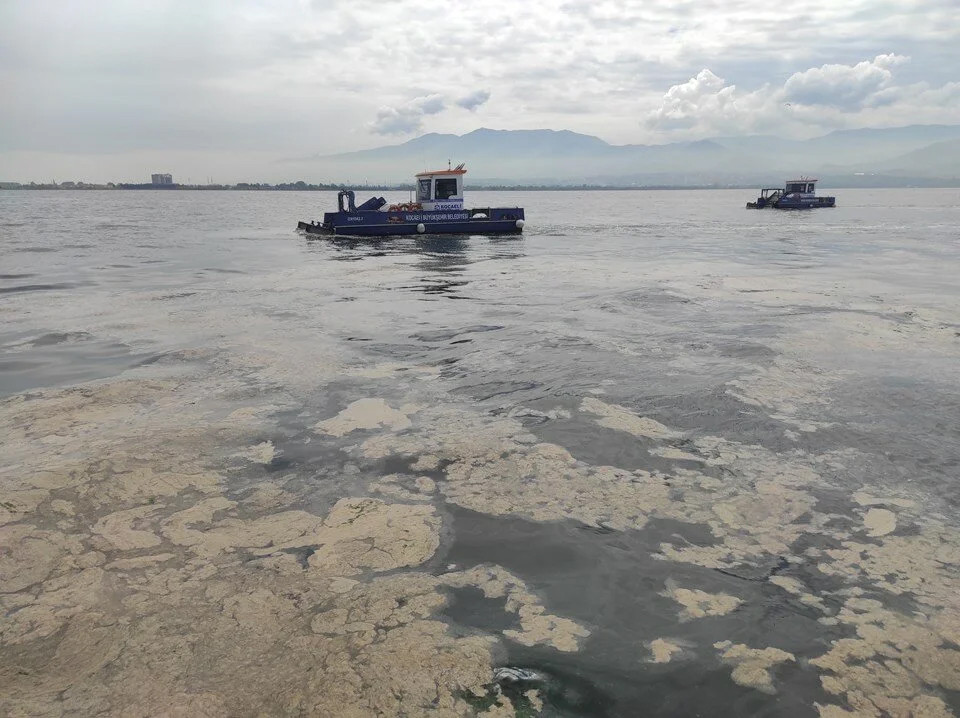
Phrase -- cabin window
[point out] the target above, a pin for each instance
(446, 188)
(423, 190)
(810, 188)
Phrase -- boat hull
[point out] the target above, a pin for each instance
(805, 202)
(385, 224)
(793, 203)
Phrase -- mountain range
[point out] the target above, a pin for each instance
(898, 156)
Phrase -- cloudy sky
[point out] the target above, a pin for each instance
(103, 89)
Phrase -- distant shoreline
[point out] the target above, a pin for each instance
(367, 188)
(879, 183)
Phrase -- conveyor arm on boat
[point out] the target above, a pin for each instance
(372, 204)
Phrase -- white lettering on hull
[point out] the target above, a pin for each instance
(435, 217)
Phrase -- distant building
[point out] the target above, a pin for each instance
(161, 179)
(10, 185)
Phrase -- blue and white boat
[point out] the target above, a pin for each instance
(438, 210)
(797, 194)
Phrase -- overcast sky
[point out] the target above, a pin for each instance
(102, 89)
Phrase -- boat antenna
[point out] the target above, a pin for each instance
(448, 163)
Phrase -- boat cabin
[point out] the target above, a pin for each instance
(801, 186)
(441, 189)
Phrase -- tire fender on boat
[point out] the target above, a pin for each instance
(519, 224)
(421, 228)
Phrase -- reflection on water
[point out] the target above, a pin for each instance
(671, 455)
(442, 259)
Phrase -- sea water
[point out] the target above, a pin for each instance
(659, 455)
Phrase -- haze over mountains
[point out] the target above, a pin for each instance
(900, 156)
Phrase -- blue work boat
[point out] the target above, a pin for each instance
(798, 194)
(438, 210)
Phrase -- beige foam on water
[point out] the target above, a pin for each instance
(137, 584)
(880, 522)
(175, 587)
(763, 506)
(366, 414)
(752, 666)
(700, 604)
(262, 453)
(621, 419)
(663, 650)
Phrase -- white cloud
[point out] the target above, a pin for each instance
(683, 104)
(408, 117)
(474, 100)
(809, 102)
(842, 86)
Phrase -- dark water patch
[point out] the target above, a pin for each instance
(221, 270)
(9, 365)
(175, 295)
(713, 411)
(41, 287)
(314, 472)
(561, 367)
(444, 335)
(483, 392)
(279, 464)
(609, 582)
(760, 572)
(734, 349)
(439, 335)
(155, 359)
(38, 250)
(397, 351)
(906, 435)
(302, 555)
(173, 358)
(284, 314)
(63, 358)
(52, 338)
(17, 276)
(444, 287)
(648, 298)
(591, 443)
(468, 606)
(313, 466)
(684, 532)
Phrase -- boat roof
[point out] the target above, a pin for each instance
(441, 172)
(806, 179)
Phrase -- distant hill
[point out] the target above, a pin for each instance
(941, 159)
(921, 152)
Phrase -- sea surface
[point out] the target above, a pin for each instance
(658, 456)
